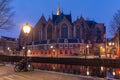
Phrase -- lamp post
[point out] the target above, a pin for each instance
(87, 51)
(54, 48)
(51, 47)
(26, 29)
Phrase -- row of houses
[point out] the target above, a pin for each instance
(8, 45)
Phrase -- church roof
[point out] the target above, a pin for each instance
(91, 23)
(58, 18)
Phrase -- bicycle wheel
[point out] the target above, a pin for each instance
(17, 68)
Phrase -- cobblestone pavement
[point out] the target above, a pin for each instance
(7, 73)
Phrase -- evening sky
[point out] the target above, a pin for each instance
(101, 11)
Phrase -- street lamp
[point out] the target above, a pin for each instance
(26, 29)
(54, 48)
(87, 51)
(51, 47)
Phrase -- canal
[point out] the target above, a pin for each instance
(94, 71)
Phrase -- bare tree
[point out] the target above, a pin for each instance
(115, 23)
(6, 14)
(115, 29)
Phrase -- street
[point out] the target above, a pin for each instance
(7, 73)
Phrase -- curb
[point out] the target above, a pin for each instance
(2, 64)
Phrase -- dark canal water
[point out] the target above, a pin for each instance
(94, 71)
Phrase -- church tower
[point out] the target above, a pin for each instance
(58, 10)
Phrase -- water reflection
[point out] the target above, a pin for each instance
(101, 71)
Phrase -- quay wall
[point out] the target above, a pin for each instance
(72, 61)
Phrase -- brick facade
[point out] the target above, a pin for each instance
(60, 30)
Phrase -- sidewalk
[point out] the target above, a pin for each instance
(2, 64)
(50, 75)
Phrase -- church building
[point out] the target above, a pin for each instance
(59, 36)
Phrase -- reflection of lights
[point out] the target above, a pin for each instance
(53, 50)
(53, 66)
(102, 68)
(113, 73)
(101, 47)
(88, 73)
(8, 48)
(118, 71)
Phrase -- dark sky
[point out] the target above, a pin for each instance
(101, 11)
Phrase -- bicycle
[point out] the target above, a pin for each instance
(20, 67)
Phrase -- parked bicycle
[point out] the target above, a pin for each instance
(20, 66)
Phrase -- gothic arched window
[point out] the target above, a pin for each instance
(64, 31)
(77, 31)
(49, 32)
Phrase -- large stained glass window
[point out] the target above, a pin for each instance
(49, 32)
(78, 32)
(64, 31)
